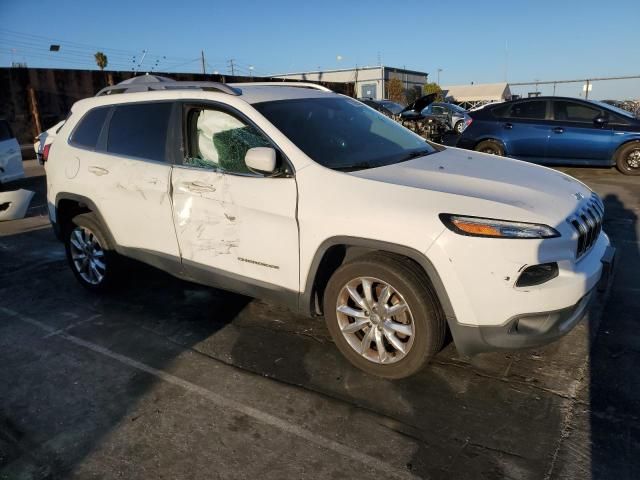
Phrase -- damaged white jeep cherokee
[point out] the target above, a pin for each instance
(312, 199)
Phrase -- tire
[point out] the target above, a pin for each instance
(459, 127)
(86, 237)
(490, 146)
(628, 158)
(422, 317)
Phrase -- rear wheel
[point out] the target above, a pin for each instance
(383, 316)
(91, 258)
(490, 146)
(628, 158)
(459, 127)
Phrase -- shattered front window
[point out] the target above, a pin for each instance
(220, 141)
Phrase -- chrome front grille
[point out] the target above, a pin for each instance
(587, 221)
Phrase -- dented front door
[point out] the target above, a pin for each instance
(243, 227)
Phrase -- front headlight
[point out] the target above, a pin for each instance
(494, 228)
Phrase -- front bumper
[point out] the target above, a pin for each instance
(530, 329)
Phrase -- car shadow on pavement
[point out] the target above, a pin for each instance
(614, 389)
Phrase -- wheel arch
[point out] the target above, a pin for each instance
(68, 205)
(335, 251)
(621, 146)
(502, 143)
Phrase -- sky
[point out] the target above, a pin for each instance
(479, 41)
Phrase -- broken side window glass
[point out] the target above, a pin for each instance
(220, 141)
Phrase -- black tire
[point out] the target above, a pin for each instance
(490, 146)
(429, 325)
(628, 158)
(88, 222)
(458, 127)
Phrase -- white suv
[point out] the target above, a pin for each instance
(313, 199)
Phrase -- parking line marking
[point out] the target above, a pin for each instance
(221, 401)
(72, 326)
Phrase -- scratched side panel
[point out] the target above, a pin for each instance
(133, 198)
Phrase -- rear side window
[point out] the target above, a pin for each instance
(87, 132)
(140, 130)
(501, 111)
(574, 112)
(536, 110)
(5, 131)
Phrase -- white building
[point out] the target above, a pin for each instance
(369, 81)
(473, 95)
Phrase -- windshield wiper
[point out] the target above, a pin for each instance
(419, 153)
(354, 167)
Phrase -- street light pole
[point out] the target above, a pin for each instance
(439, 70)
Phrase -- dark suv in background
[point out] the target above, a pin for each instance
(556, 131)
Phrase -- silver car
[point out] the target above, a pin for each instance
(455, 117)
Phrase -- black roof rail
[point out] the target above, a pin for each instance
(148, 83)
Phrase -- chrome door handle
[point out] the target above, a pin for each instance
(199, 187)
(558, 130)
(508, 126)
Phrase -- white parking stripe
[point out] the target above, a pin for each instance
(221, 401)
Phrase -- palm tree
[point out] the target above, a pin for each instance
(101, 60)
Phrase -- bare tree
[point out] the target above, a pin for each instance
(101, 60)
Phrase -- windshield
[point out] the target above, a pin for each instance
(456, 108)
(615, 109)
(393, 107)
(343, 134)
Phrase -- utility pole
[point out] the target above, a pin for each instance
(232, 67)
(586, 91)
(203, 62)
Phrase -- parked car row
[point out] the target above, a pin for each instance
(545, 130)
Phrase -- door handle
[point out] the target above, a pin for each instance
(508, 126)
(98, 170)
(199, 187)
(558, 130)
(12, 151)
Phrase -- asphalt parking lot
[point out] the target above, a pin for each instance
(166, 379)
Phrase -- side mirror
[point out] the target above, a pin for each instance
(600, 121)
(261, 159)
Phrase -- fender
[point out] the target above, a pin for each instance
(306, 297)
(493, 138)
(89, 203)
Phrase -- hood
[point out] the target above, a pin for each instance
(421, 103)
(531, 192)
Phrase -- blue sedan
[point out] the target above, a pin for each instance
(557, 131)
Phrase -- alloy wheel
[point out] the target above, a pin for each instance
(633, 159)
(87, 255)
(375, 320)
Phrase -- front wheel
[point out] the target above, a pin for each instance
(628, 158)
(383, 316)
(90, 256)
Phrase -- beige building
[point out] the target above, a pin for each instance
(369, 81)
(473, 95)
